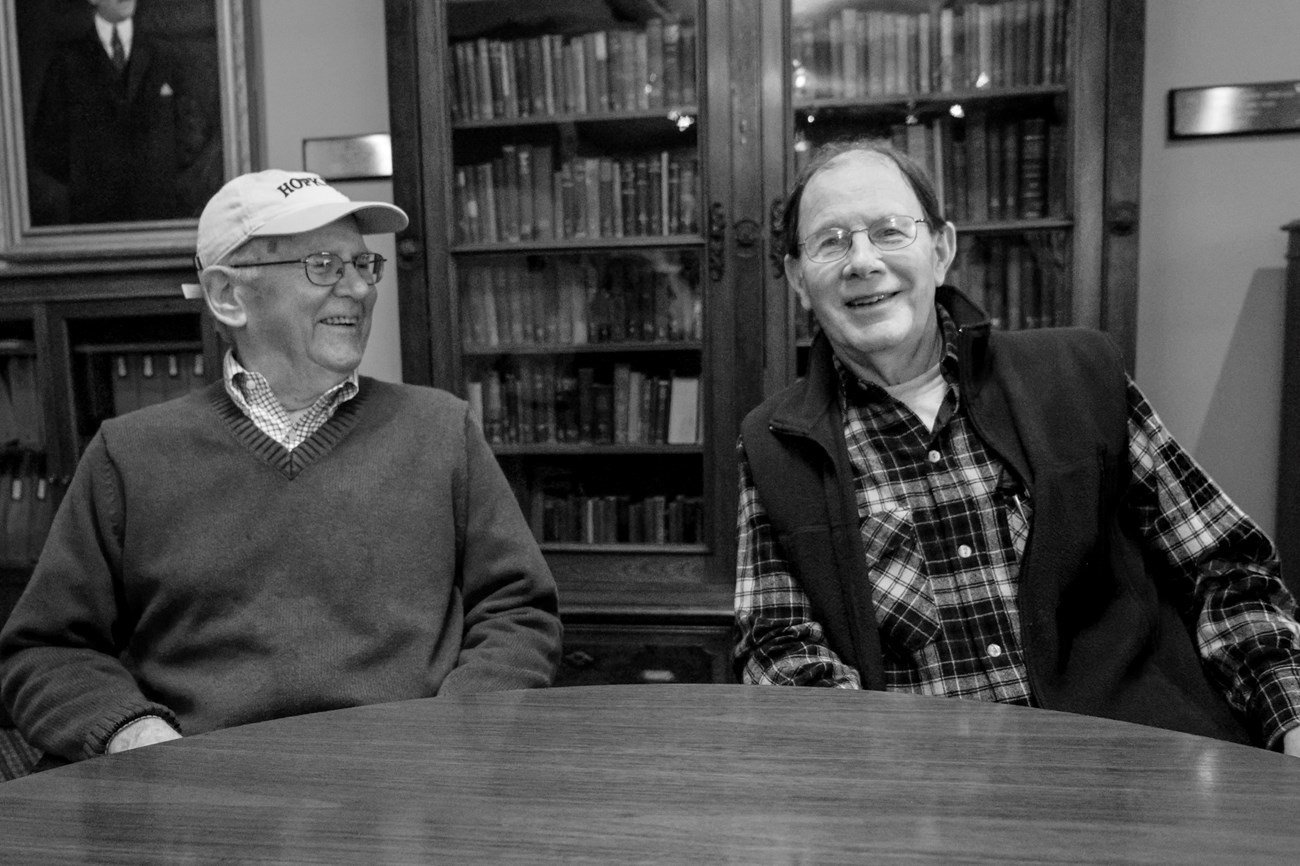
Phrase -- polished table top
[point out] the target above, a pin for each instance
(667, 773)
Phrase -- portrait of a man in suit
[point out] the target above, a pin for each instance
(124, 124)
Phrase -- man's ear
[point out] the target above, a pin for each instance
(221, 292)
(794, 278)
(945, 249)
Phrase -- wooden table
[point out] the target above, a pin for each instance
(685, 774)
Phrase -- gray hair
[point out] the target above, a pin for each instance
(915, 175)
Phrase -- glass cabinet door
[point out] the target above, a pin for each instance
(576, 252)
(985, 96)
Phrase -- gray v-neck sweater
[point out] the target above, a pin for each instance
(199, 571)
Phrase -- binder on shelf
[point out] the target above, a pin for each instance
(198, 376)
(24, 397)
(177, 381)
(42, 509)
(17, 491)
(153, 378)
(8, 416)
(126, 383)
(684, 411)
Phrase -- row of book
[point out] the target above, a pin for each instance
(539, 401)
(22, 423)
(522, 195)
(27, 505)
(1020, 280)
(858, 53)
(584, 519)
(565, 301)
(988, 168)
(621, 70)
(141, 379)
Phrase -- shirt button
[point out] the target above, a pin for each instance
(964, 551)
(934, 456)
(994, 650)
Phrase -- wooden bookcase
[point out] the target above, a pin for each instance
(489, 90)
(75, 349)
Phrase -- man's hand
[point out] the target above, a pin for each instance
(1291, 742)
(150, 729)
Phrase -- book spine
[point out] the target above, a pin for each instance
(672, 63)
(543, 170)
(1033, 168)
(654, 42)
(687, 55)
(485, 78)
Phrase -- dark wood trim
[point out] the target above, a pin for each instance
(1287, 530)
(1087, 169)
(1119, 278)
(403, 51)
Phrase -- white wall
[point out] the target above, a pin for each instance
(1212, 254)
(325, 75)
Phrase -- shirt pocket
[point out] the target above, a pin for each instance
(900, 588)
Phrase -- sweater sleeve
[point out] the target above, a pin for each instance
(60, 674)
(512, 634)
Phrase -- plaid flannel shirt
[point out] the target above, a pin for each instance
(944, 525)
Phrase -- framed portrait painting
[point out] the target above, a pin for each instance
(118, 120)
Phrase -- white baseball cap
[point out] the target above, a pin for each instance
(276, 202)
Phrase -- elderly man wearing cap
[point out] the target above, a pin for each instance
(294, 538)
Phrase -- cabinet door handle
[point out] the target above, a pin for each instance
(408, 250)
(747, 236)
(717, 241)
(776, 234)
(1122, 218)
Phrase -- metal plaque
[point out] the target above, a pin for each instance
(1234, 109)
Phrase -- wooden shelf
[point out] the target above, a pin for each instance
(580, 245)
(609, 348)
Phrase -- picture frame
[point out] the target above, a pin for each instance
(190, 60)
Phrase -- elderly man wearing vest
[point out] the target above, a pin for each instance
(294, 538)
(949, 509)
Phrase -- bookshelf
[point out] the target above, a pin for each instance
(647, 264)
(75, 349)
(1027, 114)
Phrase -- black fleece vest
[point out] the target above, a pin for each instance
(1099, 638)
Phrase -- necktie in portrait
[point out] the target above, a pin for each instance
(118, 52)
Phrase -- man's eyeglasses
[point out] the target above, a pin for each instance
(887, 233)
(326, 269)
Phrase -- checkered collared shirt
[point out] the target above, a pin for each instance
(252, 394)
(944, 525)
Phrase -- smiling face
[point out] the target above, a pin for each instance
(875, 306)
(305, 338)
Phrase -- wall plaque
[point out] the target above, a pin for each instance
(353, 157)
(1234, 109)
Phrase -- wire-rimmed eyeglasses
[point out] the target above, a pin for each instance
(888, 233)
(326, 269)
